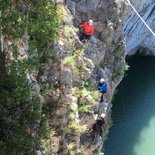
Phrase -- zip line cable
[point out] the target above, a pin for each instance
(141, 18)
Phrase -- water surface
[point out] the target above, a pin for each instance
(133, 112)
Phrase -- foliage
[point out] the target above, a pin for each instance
(126, 67)
(38, 18)
(70, 61)
(45, 87)
(18, 127)
(118, 52)
(120, 71)
(42, 25)
(86, 91)
(71, 148)
(77, 127)
(23, 122)
(84, 108)
(95, 95)
(110, 24)
(89, 87)
(73, 124)
(81, 149)
(79, 53)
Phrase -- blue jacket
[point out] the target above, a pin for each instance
(103, 87)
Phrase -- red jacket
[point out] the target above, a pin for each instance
(88, 29)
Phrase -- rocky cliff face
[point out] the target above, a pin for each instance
(136, 33)
(75, 96)
(64, 100)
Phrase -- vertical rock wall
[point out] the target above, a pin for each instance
(136, 33)
(74, 98)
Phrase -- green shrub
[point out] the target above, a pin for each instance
(23, 127)
(69, 61)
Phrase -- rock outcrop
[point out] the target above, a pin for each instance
(137, 35)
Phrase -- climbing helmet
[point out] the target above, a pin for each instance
(90, 22)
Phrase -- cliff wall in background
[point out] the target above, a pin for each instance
(136, 33)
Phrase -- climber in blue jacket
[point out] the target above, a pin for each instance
(102, 87)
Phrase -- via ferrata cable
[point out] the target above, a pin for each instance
(140, 17)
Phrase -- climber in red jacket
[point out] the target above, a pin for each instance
(88, 28)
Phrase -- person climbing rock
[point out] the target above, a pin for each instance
(98, 127)
(102, 87)
(88, 30)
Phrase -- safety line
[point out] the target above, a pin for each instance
(141, 18)
(1, 34)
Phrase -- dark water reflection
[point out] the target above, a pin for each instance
(133, 112)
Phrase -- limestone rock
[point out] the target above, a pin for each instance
(87, 5)
(98, 27)
(71, 6)
(88, 63)
(136, 33)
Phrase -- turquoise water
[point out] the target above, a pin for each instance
(133, 112)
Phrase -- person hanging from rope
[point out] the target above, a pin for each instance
(102, 86)
(88, 30)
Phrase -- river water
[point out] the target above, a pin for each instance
(133, 112)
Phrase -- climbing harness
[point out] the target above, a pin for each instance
(140, 17)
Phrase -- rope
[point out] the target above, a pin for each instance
(141, 18)
(1, 35)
